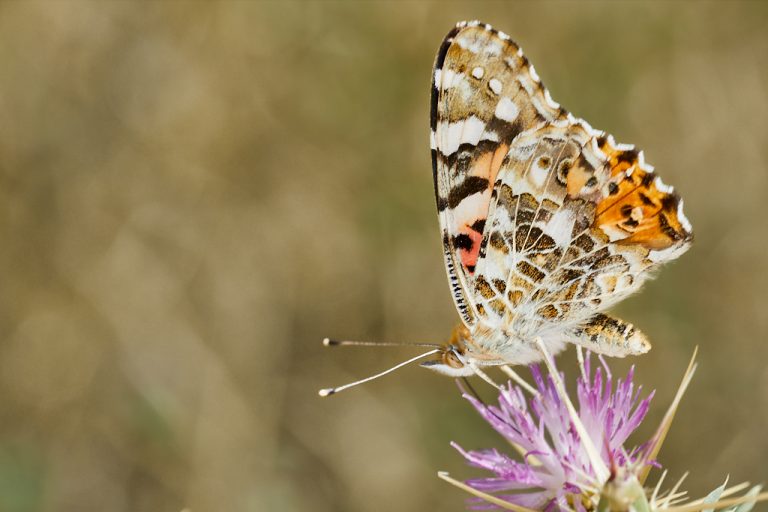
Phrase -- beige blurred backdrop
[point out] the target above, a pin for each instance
(194, 194)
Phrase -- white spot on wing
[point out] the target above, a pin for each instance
(552, 103)
(560, 227)
(506, 110)
(620, 147)
(534, 75)
(471, 207)
(667, 254)
(495, 85)
(455, 134)
(538, 174)
(448, 77)
(468, 44)
(663, 187)
(492, 47)
(682, 218)
(438, 76)
(526, 84)
(643, 165)
(478, 72)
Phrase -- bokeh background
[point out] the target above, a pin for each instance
(194, 194)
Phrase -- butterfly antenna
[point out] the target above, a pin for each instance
(333, 391)
(328, 342)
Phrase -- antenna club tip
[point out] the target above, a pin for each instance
(326, 392)
(328, 342)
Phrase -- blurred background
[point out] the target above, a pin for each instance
(194, 194)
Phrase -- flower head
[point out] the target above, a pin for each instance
(574, 459)
(557, 470)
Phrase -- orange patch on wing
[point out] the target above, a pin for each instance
(636, 207)
(489, 163)
(486, 166)
(469, 256)
(577, 178)
(475, 207)
(496, 161)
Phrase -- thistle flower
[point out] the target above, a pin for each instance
(557, 468)
(573, 458)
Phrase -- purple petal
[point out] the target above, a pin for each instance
(541, 426)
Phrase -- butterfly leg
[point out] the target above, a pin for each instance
(480, 373)
(512, 374)
(607, 335)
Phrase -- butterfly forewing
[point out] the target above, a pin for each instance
(483, 97)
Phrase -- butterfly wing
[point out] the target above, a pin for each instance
(545, 220)
(483, 97)
(578, 222)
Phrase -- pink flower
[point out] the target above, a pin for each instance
(557, 470)
(573, 458)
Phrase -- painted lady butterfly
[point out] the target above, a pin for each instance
(546, 222)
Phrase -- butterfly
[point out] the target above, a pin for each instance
(546, 222)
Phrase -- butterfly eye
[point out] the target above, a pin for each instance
(450, 359)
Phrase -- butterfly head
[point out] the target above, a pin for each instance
(452, 358)
(449, 363)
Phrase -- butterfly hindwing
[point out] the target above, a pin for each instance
(562, 242)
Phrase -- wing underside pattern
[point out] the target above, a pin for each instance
(483, 96)
(545, 220)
